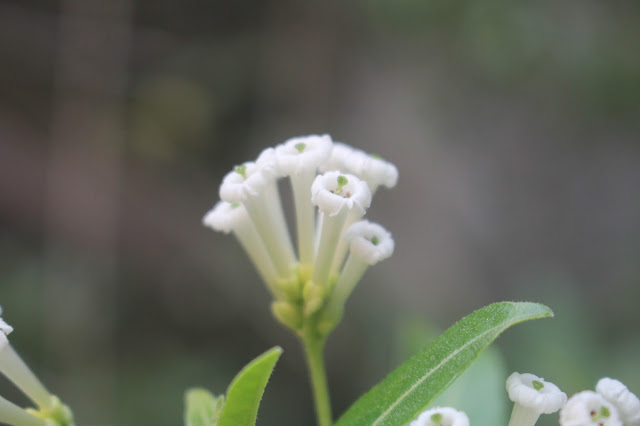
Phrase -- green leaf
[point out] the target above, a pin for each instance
(485, 377)
(202, 408)
(409, 389)
(246, 389)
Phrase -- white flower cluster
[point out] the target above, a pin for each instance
(334, 246)
(51, 412)
(612, 404)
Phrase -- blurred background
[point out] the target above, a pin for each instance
(515, 127)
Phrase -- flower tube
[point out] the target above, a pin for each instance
(254, 186)
(233, 217)
(299, 158)
(441, 416)
(340, 199)
(11, 414)
(532, 396)
(626, 402)
(588, 408)
(14, 368)
(369, 243)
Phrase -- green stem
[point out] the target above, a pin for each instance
(313, 348)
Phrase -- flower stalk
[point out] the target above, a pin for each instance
(313, 346)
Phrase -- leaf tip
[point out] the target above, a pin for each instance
(534, 310)
(276, 350)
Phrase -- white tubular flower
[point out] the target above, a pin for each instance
(441, 416)
(369, 244)
(11, 414)
(378, 172)
(5, 330)
(532, 396)
(233, 217)
(341, 199)
(299, 158)
(371, 168)
(14, 368)
(339, 158)
(254, 185)
(298, 155)
(625, 401)
(588, 408)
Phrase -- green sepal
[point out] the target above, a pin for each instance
(287, 314)
(57, 414)
(290, 290)
(314, 297)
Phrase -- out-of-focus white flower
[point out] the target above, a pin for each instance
(532, 396)
(588, 408)
(246, 180)
(371, 168)
(232, 217)
(5, 330)
(441, 416)
(625, 401)
(299, 158)
(339, 159)
(14, 368)
(301, 154)
(11, 414)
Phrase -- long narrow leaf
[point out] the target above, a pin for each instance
(246, 390)
(409, 389)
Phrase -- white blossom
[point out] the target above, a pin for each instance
(254, 186)
(301, 154)
(334, 197)
(370, 168)
(369, 243)
(299, 158)
(532, 396)
(14, 368)
(441, 416)
(341, 199)
(588, 408)
(339, 158)
(625, 401)
(5, 330)
(247, 179)
(318, 278)
(11, 414)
